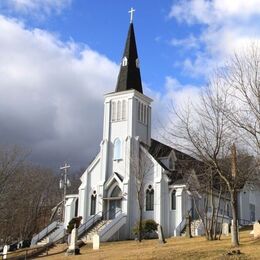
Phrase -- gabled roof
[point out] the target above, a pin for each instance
(159, 150)
(129, 75)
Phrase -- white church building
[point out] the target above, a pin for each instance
(107, 196)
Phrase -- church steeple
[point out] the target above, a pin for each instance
(129, 75)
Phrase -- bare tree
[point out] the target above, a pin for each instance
(207, 191)
(11, 158)
(27, 197)
(207, 133)
(241, 78)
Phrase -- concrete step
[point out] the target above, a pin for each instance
(87, 238)
(45, 240)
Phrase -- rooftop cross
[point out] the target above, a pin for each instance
(132, 10)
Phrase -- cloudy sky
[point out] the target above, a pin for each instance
(59, 57)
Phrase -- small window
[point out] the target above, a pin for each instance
(124, 62)
(119, 115)
(117, 149)
(173, 200)
(139, 111)
(145, 114)
(149, 199)
(93, 203)
(113, 111)
(124, 110)
(228, 214)
(142, 113)
(137, 63)
(171, 163)
(252, 212)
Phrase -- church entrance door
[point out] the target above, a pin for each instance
(114, 208)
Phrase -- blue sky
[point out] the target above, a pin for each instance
(59, 57)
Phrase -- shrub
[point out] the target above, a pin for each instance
(148, 226)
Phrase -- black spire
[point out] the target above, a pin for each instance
(129, 75)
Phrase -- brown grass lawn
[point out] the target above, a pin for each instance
(175, 248)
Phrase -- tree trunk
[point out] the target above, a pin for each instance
(235, 240)
(233, 194)
(140, 229)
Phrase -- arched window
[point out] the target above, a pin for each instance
(137, 63)
(173, 200)
(117, 149)
(116, 192)
(124, 62)
(93, 203)
(124, 110)
(119, 110)
(171, 163)
(149, 198)
(113, 111)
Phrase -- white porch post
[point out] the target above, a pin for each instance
(179, 209)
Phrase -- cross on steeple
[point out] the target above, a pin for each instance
(132, 10)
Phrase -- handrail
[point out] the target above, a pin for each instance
(62, 230)
(44, 232)
(115, 213)
(183, 219)
(82, 227)
(113, 225)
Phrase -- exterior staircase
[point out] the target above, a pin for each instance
(51, 234)
(100, 225)
(45, 240)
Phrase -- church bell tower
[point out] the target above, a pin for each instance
(127, 113)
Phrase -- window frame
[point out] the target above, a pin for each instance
(149, 200)
(117, 151)
(173, 195)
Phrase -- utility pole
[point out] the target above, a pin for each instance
(64, 182)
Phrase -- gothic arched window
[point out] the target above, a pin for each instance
(117, 149)
(171, 163)
(116, 192)
(173, 200)
(137, 63)
(93, 203)
(149, 198)
(124, 62)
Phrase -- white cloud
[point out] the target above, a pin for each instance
(174, 94)
(215, 11)
(228, 26)
(51, 94)
(35, 7)
(190, 42)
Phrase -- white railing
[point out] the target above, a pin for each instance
(112, 227)
(44, 232)
(58, 234)
(89, 223)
